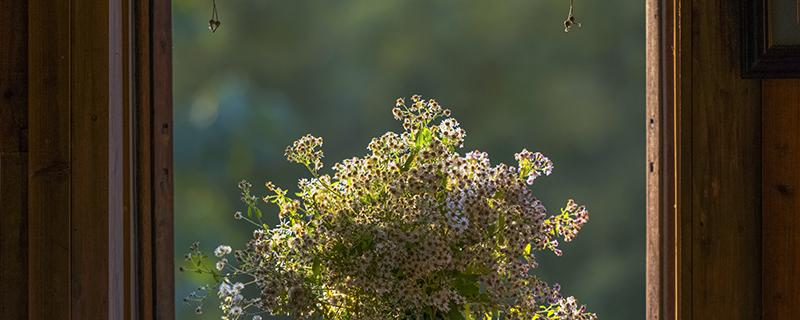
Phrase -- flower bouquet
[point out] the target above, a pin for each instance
(412, 230)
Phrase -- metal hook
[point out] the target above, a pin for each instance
(214, 23)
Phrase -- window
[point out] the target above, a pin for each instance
(276, 70)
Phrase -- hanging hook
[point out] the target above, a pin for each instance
(571, 21)
(214, 23)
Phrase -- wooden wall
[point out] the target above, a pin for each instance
(781, 206)
(85, 210)
(720, 167)
(13, 158)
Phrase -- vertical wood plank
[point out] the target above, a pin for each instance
(13, 76)
(130, 206)
(781, 182)
(726, 169)
(662, 272)
(96, 156)
(13, 158)
(654, 266)
(76, 190)
(144, 179)
(154, 169)
(683, 140)
(49, 166)
(13, 235)
(162, 186)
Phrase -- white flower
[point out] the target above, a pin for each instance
(225, 289)
(391, 232)
(236, 311)
(222, 250)
(238, 286)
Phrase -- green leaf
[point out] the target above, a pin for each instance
(258, 213)
(467, 285)
(250, 211)
(455, 314)
(316, 268)
(468, 313)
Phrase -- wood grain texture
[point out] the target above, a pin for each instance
(781, 182)
(13, 158)
(725, 181)
(50, 160)
(653, 95)
(13, 235)
(143, 175)
(153, 89)
(683, 127)
(162, 186)
(75, 170)
(97, 267)
(661, 290)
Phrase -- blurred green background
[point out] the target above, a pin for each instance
(276, 70)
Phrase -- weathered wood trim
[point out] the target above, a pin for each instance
(662, 240)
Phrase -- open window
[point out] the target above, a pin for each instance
(86, 159)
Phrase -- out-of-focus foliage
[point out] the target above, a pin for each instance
(278, 69)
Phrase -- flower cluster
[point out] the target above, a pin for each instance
(412, 230)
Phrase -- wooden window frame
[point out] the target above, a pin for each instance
(663, 92)
(151, 53)
(704, 165)
(99, 160)
(662, 109)
(87, 133)
(125, 85)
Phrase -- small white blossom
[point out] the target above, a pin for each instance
(410, 227)
(222, 250)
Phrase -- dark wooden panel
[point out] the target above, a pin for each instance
(97, 266)
(13, 76)
(682, 47)
(13, 158)
(13, 236)
(154, 156)
(781, 184)
(144, 179)
(76, 163)
(162, 186)
(49, 166)
(726, 169)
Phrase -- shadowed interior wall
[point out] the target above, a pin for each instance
(13, 158)
(781, 206)
(719, 190)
